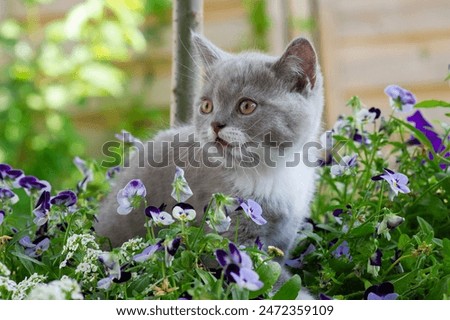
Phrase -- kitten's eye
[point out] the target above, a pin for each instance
(206, 106)
(247, 107)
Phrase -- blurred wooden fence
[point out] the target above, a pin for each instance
(363, 46)
(366, 45)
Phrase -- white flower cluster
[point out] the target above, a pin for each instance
(4, 271)
(19, 291)
(6, 284)
(132, 247)
(63, 289)
(75, 242)
(88, 268)
(26, 285)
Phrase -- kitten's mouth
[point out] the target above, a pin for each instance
(222, 142)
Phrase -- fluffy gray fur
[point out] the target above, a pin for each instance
(288, 91)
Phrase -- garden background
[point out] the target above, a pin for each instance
(74, 73)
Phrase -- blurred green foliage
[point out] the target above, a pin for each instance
(49, 69)
(259, 22)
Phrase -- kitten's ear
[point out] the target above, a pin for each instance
(298, 64)
(207, 52)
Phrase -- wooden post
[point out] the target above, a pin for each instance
(3, 10)
(279, 33)
(187, 17)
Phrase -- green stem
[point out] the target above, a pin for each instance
(396, 262)
(202, 224)
(150, 231)
(380, 200)
(428, 190)
(163, 269)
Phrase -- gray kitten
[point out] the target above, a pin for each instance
(253, 117)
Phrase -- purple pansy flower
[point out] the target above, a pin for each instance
(171, 249)
(88, 174)
(327, 141)
(9, 177)
(247, 279)
(112, 172)
(42, 209)
(218, 213)
(323, 296)
(2, 216)
(384, 291)
(338, 213)
(128, 139)
(113, 269)
(36, 248)
(343, 250)
(297, 263)
(111, 262)
(172, 246)
(374, 263)
(389, 222)
(148, 252)
(399, 98)
(159, 216)
(397, 181)
(259, 244)
(65, 198)
(105, 283)
(364, 116)
(375, 259)
(426, 128)
(130, 197)
(375, 111)
(254, 211)
(238, 268)
(184, 212)
(7, 195)
(346, 163)
(4, 168)
(31, 184)
(180, 188)
(361, 138)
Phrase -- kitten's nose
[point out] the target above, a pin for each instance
(217, 126)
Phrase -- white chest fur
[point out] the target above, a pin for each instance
(282, 187)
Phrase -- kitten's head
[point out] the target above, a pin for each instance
(251, 97)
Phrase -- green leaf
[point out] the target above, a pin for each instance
(103, 77)
(362, 230)
(80, 15)
(404, 241)
(187, 259)
(446, 254)
(24, 258)
(418, 134)
(432, 104)
(206, 277)
(268, 273)
(312, 235)
(238, 293)
(290, 289)
(326, 227)
(440, 290)
(403, 283)
(425, 226)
